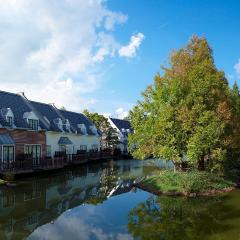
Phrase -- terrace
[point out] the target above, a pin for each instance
(26, 164)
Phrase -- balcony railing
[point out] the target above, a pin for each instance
(28, 164)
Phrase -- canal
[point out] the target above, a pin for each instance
(98, 201)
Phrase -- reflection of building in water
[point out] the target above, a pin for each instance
(38, 201)
(20, 209)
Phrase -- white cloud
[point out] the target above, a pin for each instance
(107, 114)
(113, 18)
(131, 49)
(121, 113)
(101, 53)
(118, 113)
(52, 50)
(237, 67)
(107, 46)
(75, 228)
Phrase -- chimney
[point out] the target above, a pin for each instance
(22, 94)
(52, 104)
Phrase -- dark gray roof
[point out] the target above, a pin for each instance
(5, 139)
(18, 107)
(120, 124)
(48, 111)
(78, 118)
(47, 114)
(64, 141)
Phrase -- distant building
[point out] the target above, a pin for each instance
(123, 128)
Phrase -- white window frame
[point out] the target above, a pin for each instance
(25, 145)
(47, 151)
(10, 120)
(83, 149)
(14, 153)
(94, 147)
(36, 121)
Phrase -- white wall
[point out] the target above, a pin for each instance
(52, 139)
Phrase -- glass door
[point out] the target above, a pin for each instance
(63, 148)
(35, 152)
(8, 155)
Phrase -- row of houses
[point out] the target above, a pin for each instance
(36, 133)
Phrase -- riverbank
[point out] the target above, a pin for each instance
(189, 184)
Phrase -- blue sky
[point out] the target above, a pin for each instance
(100, 55)
(168, 25)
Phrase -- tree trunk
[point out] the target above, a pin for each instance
(174, 166)
(201, 165)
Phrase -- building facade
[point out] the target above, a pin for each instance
(20, 132)
(39, 131)
(67, 132)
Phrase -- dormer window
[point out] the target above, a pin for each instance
(32, 120)
(59, 123)
(94, 129)
(10, 120)
(7, 114)
(83, 128)
(33, 124)
(67, 124)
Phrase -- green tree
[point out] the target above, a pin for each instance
(235, 98)
(109, 138)
(187, 114)
(112, 139)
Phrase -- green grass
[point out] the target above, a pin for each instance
(186, 182)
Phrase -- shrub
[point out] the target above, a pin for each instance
(187, 182)
(232, 165)
(8, 176)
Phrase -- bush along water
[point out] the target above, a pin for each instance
(190, 183)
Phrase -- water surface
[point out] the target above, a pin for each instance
(99, 202)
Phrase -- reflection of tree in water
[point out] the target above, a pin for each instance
(108, 179)
(180, 218)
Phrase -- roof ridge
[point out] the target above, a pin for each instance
(81, 114)
(10, 93)
(64, 110)
(40, 102)
(120, 119)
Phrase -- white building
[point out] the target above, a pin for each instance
(123, 128)
(66, 131)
